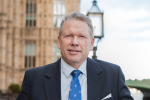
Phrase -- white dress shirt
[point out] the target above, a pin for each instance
(66, 78)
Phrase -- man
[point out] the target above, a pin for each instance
(96, 80)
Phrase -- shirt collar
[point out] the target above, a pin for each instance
(67, 69)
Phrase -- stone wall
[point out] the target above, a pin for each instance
(14, 34)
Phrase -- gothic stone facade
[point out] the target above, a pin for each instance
(28, 35)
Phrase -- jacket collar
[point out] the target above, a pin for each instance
(52, 69)
(93, 66)
(52, 84)
(94, 79)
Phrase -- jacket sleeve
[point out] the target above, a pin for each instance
(123, 91)
(24, 95)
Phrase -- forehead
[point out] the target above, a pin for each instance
(77, 24)
(74, 21)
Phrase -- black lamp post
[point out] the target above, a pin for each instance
(97, 20)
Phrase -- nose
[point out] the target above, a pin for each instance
(75, 41)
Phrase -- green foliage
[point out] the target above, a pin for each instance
(15, 88)
(145, 83)
(136, 80)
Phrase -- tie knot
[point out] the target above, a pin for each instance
(75, 73)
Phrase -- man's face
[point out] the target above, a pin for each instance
(75, 42)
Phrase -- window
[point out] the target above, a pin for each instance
(30, 13)
(30, 52)
(56, 52)
(58, 12)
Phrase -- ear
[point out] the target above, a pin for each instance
(58, 42)
(92, 44)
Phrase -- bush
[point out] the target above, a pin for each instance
(15, 88)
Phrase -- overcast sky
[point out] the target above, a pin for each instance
(126, 39)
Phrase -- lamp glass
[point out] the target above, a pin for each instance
(97, 22)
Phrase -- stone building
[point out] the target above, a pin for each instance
(28, 35)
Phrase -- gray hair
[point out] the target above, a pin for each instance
(77, 16)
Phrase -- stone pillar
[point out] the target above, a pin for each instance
(3, 78)
(9, 49)
(17, 48)
(17, 13)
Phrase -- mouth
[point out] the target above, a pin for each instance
(73, 51)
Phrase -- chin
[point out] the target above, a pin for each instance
(73, 59)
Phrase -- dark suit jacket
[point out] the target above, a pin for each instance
(103, 78)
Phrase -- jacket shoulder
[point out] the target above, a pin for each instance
(104, 63)
(104, 66)
(37, 71)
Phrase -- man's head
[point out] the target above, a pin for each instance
(78, 16)
(75, 38)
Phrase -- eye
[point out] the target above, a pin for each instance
(82, 36)
(68, 35)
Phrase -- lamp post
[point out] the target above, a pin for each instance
(97, 21)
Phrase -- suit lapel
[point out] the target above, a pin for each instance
(53, 84)
(94, 80)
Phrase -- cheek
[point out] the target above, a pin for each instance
(87, 45)
(65, 44)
